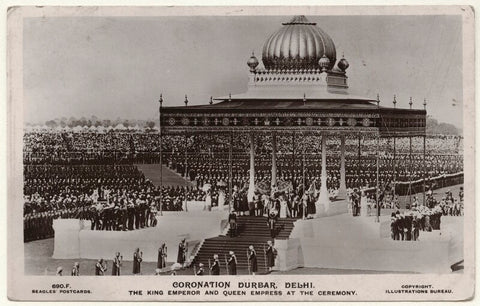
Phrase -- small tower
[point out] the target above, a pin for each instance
(324, 63)
(160, 101)
(252, 62)
(343, 64)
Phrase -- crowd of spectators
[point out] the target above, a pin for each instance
(407, 225)
(92, 175)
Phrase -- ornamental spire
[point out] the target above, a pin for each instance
(299, 19)
(186, 100)
(252, 62)
(394, 101)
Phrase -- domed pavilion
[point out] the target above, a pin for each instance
(300, 88)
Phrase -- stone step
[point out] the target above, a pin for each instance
(251, 230)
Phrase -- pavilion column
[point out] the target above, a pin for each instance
(251, 185)
(323, 203)
(394, 166)
(230, 174)
(185, 207)
(274, 160)
(342, 191)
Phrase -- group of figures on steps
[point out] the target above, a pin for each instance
(231, 262)
(213, 269)
(271, 223)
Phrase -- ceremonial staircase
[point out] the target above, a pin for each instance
(251, 231)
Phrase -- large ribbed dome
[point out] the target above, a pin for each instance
(299, 44)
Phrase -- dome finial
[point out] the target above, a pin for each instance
(230, 97)
(186, 100)
(424, 103)
(378, 100)
(299, 19)
(394, 101)
(211, 100)
(411, 103)
(160, 100)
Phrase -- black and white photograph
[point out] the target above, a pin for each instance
(241, 153)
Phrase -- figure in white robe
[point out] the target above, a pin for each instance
(364, 205)
(283, 208)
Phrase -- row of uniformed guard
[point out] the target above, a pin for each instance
(101, 267)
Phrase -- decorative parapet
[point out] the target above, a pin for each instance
(282, 77)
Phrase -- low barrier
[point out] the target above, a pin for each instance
(442, 181)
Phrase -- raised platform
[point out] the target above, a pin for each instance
(169, 177)
(74, 239)
(346, 242)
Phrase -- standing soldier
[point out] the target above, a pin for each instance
(153, 215)
(138, 212)
(162, 256)
(137, 259)
(124, 216)
(270, 254)
(271, 221)
(215, 269)
(131, 215)
(100, 267)
(252, 259)
(117, 263)
(182, 250)
(232, 264)
(258, 204)
(76, 269)
(232, 220)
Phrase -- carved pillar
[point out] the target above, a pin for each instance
(251, 185)
(323, 203)
(274, 160)
(342, 191)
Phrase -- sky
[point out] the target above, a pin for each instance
(116, 67)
